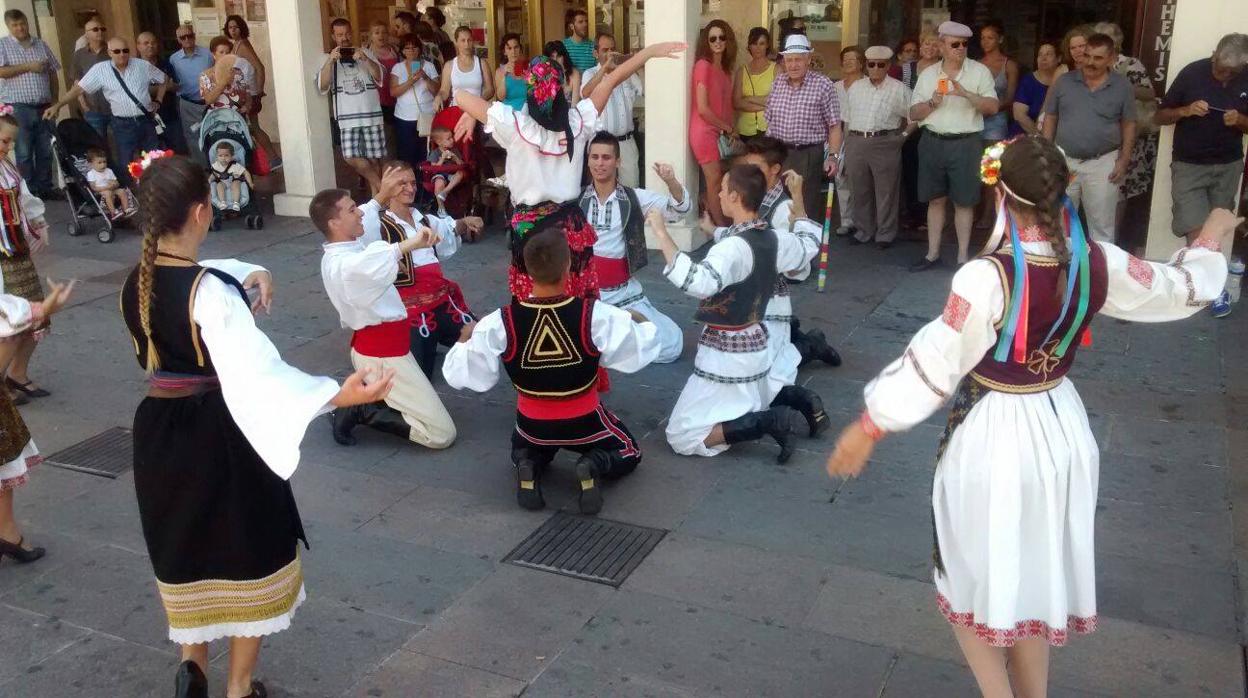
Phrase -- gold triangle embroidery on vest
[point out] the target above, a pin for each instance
(548, 344)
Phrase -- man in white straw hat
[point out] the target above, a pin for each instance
(950, 101)
(876, 121)
(803, 112)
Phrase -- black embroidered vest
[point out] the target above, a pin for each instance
(632, 220)
(1043, 370)
(174, 332)
(550, 354)
(743, 303)
(393, 233)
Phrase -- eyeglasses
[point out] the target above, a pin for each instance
(119, 51)
(958, 44)
(97, 29)
(717, 38)
(877, 64)
(186, 36)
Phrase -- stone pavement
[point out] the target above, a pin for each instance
(773, 580)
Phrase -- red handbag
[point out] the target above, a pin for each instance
(260, 162)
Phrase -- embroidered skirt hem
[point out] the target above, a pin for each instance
(257, 628)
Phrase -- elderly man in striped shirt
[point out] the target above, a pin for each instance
(876, 117)
(803, 112)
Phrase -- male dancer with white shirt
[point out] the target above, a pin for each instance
(618, 213)
(435, 304)
(360, 282)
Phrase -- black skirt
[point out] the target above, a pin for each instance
(221, 528)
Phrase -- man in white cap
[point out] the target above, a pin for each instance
(876, 121)
(803, 112)
(951, 99)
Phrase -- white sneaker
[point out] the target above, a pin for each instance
(236, 206)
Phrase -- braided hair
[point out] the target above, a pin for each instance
(168, 190)
(1034, 169)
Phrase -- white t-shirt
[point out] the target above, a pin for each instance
(409, 105)
(538, 168)
(99, 178)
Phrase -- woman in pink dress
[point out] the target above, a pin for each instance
(712, 113)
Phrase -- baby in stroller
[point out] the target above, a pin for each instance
(445, 156)
(228, 177)
(104, 184)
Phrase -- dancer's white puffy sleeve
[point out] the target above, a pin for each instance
(626, 346)
(368, 274)
(1144, 291)
(475, 365)
(371, 221)
(914, 386)
(672, 209)
(728, 262)
(32, 206)
(444, 226)
(236, 268)
(794, 260)
(271, 401)
(16, 315)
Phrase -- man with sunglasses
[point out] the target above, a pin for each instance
(126, 83)
(951, 99)
(94, 50)
(876, 111)
(188, 63)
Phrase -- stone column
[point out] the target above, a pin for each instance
(302, 113)
(668, 105)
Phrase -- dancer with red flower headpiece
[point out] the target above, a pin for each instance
(1014, 496)
(545, 157)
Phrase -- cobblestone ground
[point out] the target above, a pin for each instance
(771, 580)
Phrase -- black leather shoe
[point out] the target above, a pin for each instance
(258, 690)
(18, 553)
(190, 681)
(388, 420)
(820, 349)
(588, 471)
(777, 422)
(529, 486)
(808, 403)
(924, 264)
(344, 420)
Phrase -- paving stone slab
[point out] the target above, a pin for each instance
(29, 638)
(342, 498)
(458, 522)
(108, 589)
(107, 513)
(1152, 402)
(568, 678)
(514, 623)
(707, 652)
(1161, 595)
(387, 577)
(97, 665)
(406, 673)
(664, 488)
(1178, 484)
(328, 648)
(1168, 441)
(1198, 540)
(916, 675)
(766, 587)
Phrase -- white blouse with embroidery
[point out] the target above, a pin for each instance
(538, 168)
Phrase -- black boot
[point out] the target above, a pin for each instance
(344, 420)
(818, 347)
(589, 470)
(529, 484)
(777, 422)
(807, 402)
(388, 420)
(190, 681)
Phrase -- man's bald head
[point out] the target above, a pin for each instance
(119, 51)
(147, 45)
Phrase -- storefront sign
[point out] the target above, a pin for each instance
(1156, 33)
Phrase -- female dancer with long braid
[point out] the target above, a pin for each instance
(1014, 496)
(217, 436)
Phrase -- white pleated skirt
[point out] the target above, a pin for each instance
(1014, 502)
(730, 379)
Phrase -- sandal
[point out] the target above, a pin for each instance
(25, 388)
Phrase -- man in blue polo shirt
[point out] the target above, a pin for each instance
(1208, 104)
(187, 65)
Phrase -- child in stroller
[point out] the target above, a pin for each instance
(74, 139)
(448, 167)
(228, 178)
(104, 183)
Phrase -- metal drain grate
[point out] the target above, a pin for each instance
(593, 549)
(107, 454)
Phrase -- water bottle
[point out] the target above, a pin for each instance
(1235, 278)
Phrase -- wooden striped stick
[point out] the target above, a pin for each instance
(827, 231)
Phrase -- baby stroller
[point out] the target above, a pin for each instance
(71, 141)
(461, 197)
(228, 126)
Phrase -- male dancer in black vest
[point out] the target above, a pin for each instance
(617, 213)
(727, 399)
(551, 346)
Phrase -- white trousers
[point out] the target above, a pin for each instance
(413, 396)
(630, 168)
(1099, 196)
(631, 297)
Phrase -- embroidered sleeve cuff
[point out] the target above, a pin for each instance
(680, 268)
(870, 427)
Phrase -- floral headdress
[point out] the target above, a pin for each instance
(6, 109)
(138, 167)
(1015, 330)
(545, 82)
